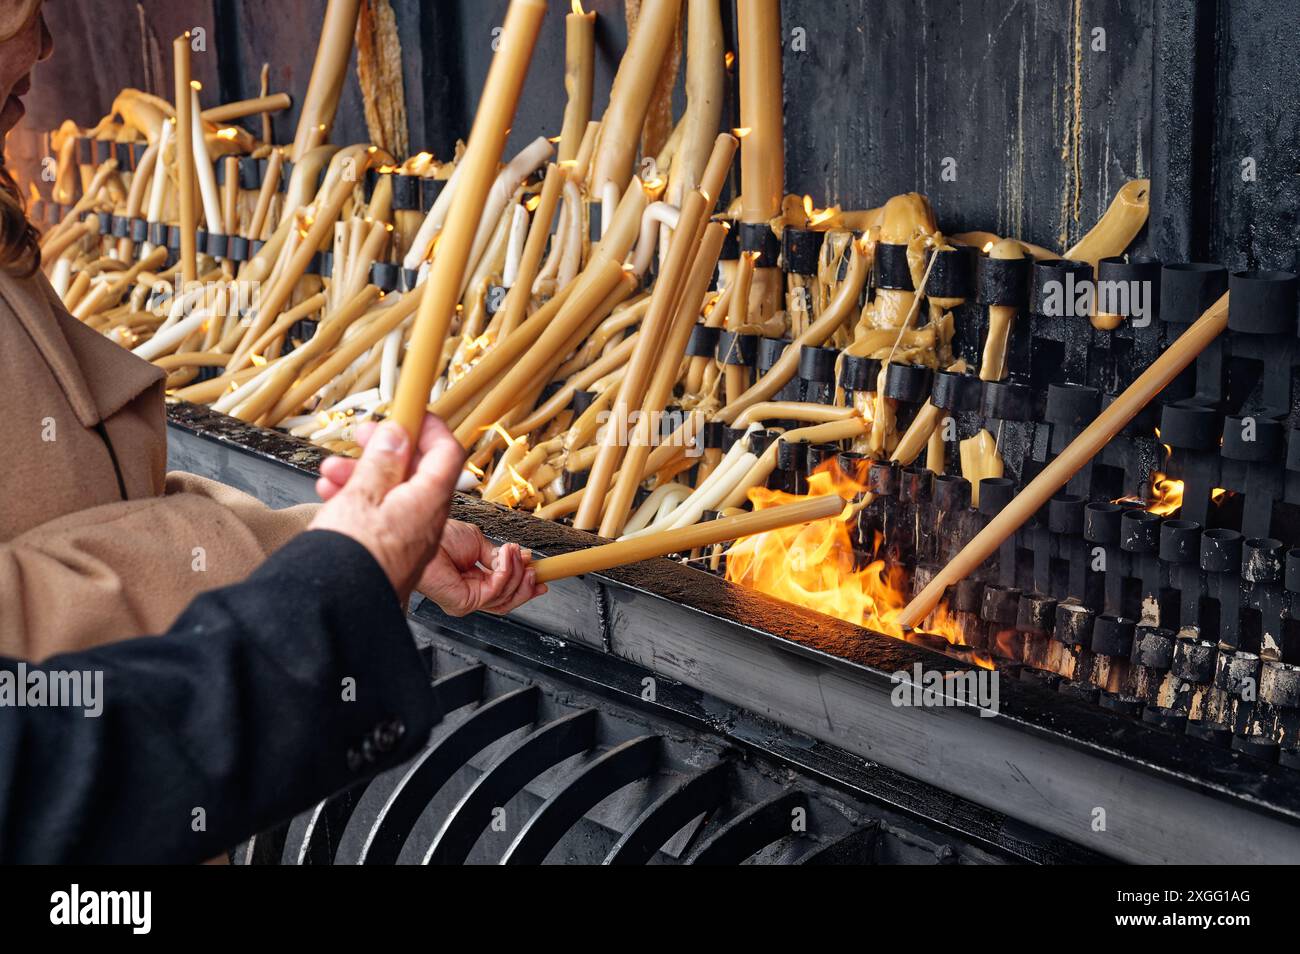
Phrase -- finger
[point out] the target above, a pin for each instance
(507, 580)
(440, 453)
(527, 589)
(383, 465)
(498, 586)
(326, 489)
(362, 434)
(338, 469)
(428, 493)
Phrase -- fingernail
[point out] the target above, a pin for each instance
(389, 438)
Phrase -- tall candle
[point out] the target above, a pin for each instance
(185, 156)
(229, 112)
(327, 74)
(620, 131)
(203, 168)
(762, 155)
(476, 172)
(579, 64)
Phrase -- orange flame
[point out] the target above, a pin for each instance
(814, 565)
(815, 215)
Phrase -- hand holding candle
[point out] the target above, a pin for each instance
(467, 573)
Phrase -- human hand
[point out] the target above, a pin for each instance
(398, 519)
(467, 573)
(470, 574)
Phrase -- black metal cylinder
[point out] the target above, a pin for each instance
(1055, 286)
(1008, 401)
(1221, 551)
(1237, 673)
(575, 480)
(882, 478)
(1119, 281)
(890, 269)
(1065, 513)
(759, 237)
(703, 342)
(430, 189)
(995, 493)
(1036, 614)
(1101, 522)
(1262, 303)
(1139, 531)
(1293, 570)
(1164, 717)
(1074, 624)
(769, 353)
(1188, 288)
(714, 435)
(384, 276)
(858, 373)
(730, 435)
(792, 456)
(854, 465)
(956, 391)
(1113, 635)
(737, 349)
(818, 454)
(951, 492)
(1180, 541)
(1252, 438)
(909, 383)
(760, 440)
(406, 192)
(1190, 426)
(800, 250)
(915, 485)
(953, 273)
(1261, 560)
(817, 364)
(1001, 604)
(1279, 684)
(1071, 405)
(1001, 281)
(1194, 660)
(1153, 647)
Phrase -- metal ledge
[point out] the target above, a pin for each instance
(1044, 759)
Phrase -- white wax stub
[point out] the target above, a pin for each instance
(467, 482)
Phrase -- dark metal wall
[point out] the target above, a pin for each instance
(1198, 96)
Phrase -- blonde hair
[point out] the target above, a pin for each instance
(20, 250)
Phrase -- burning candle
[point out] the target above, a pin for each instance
(685, 538)
(476, 172)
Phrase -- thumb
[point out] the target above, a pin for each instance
(384, 464)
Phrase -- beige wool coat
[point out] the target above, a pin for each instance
(97, 542)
